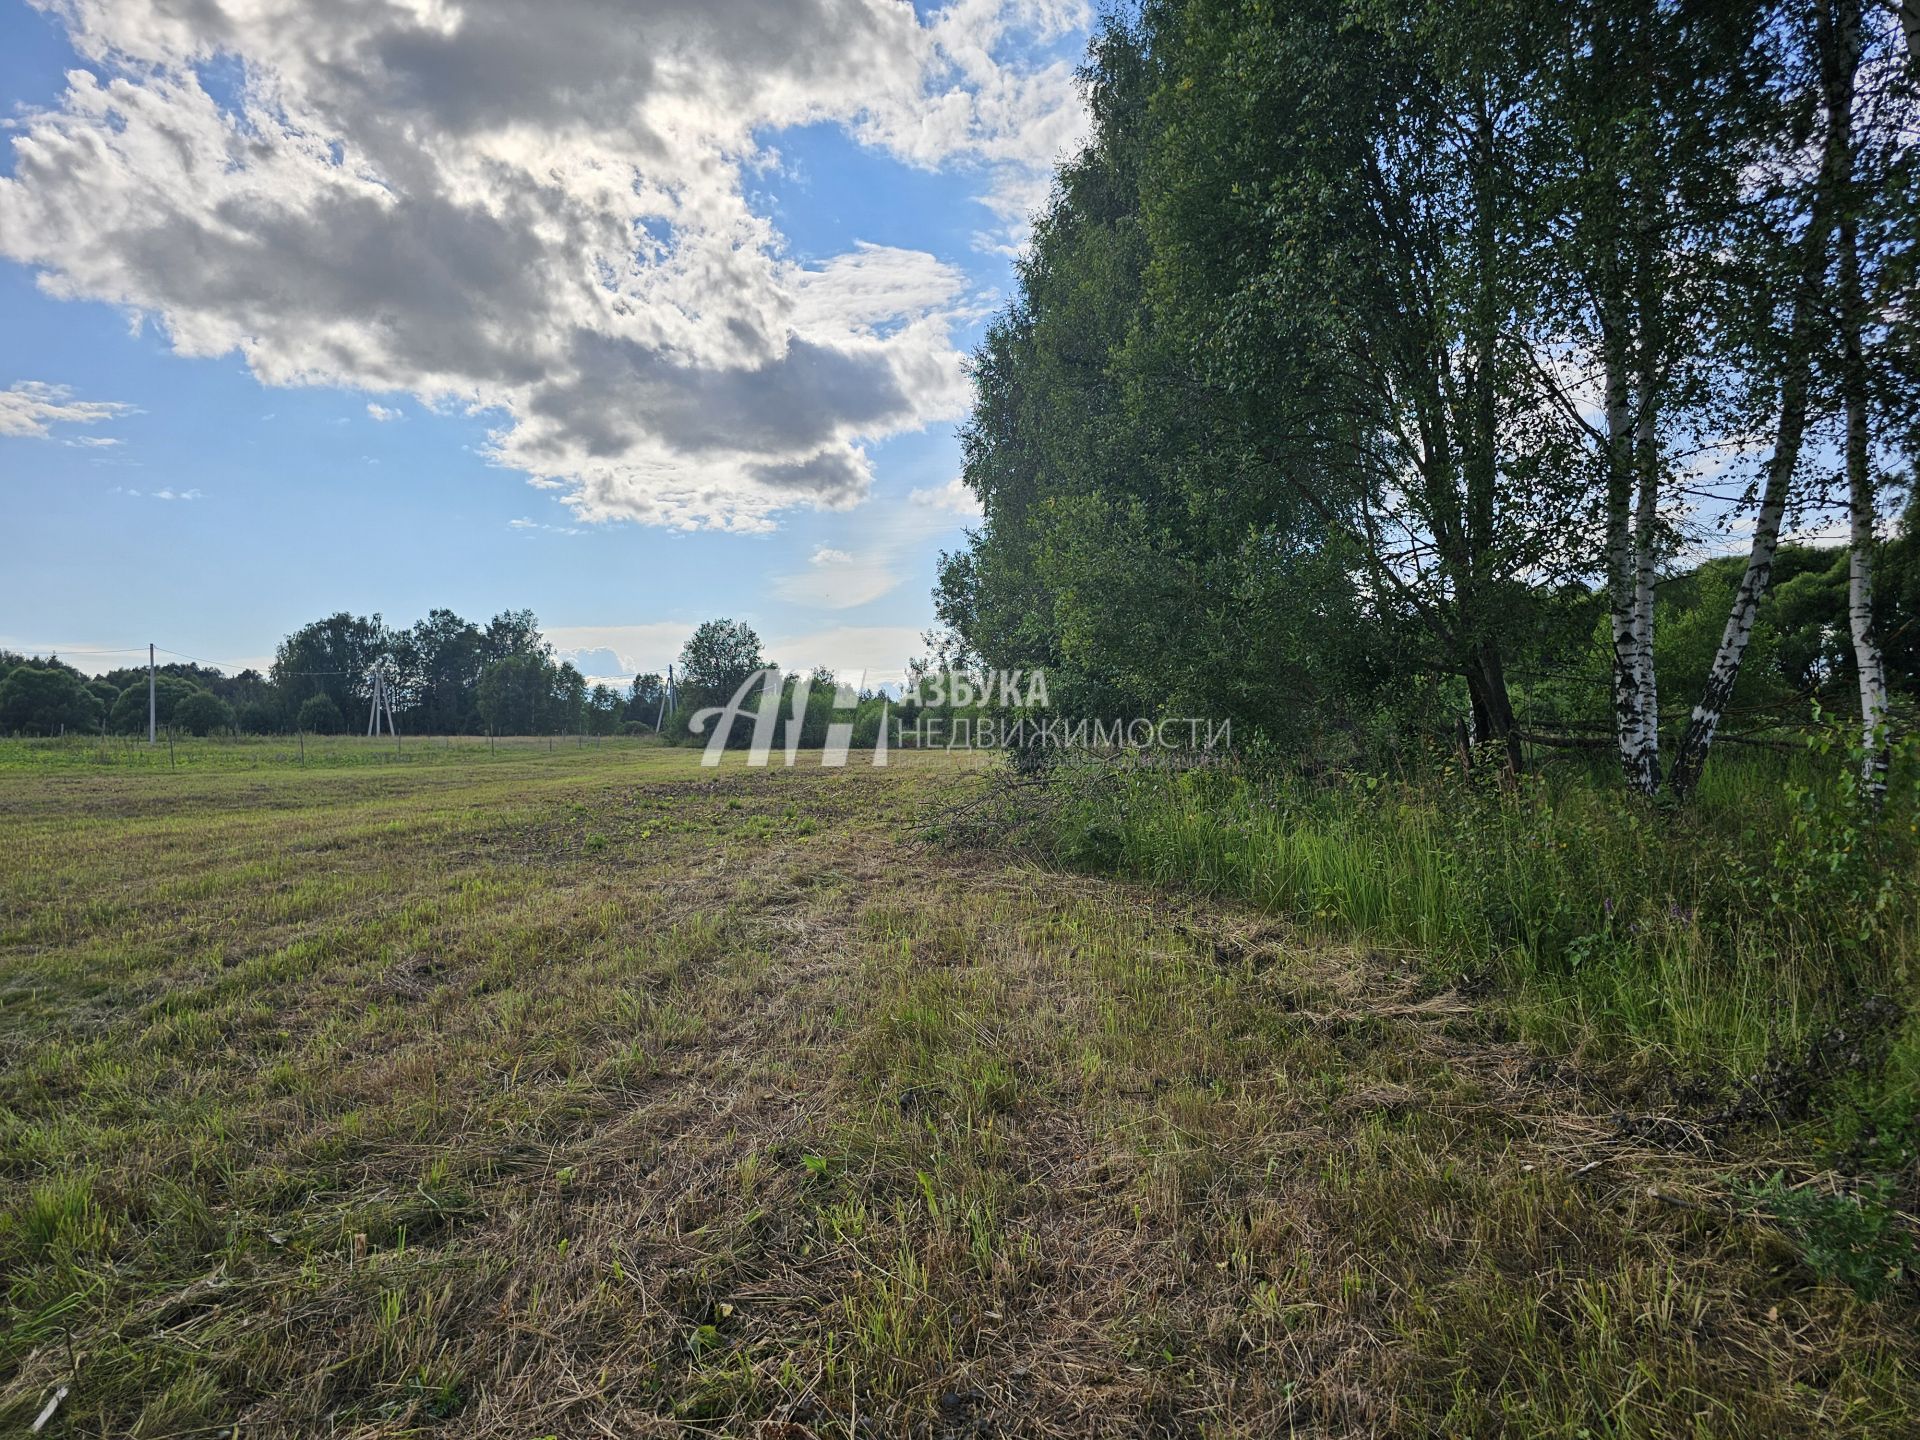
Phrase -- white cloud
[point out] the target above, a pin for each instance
(879, 653)
(167, 493)
(954, 497)
(878, 548)
(838, 581)
(383, 414)
(639, 649)
(535, 210)
(30, 408)
(527, 525)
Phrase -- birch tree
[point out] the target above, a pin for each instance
(1869, 666)
(1796, 361)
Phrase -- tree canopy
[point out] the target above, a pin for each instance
(1379, 363)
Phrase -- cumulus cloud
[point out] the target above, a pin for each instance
(636, 649)
(31, 408)
(382, 413)
(534, 209)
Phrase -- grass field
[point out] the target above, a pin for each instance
(576, 1090)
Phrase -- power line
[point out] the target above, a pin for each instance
(84, 650)
(235, 666)
(217, 664)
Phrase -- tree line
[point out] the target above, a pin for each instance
(1378, 363)
(443, 675)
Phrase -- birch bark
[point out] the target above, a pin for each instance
(1837, 71)
(1869, 664)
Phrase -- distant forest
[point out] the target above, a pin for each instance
(444, 676)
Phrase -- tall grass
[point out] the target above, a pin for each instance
(1712, 936)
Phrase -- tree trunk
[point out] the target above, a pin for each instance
(1837, 82)
(1630, 669)
(1633, 500)
(1646, 464)
(1500, 708)
(1869, 665)
(1867, 658)
(1646, 470)
(1626, 283)
(1480, 463)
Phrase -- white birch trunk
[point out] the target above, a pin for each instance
(1791, 431)
(1631, 657)
(1646, 464)
(1867, 658)
(1869, 664)
(1759, 572)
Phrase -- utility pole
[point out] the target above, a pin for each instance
(153, 705)
(665, 696)
(382, 706)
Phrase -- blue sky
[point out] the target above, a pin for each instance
(272, 351)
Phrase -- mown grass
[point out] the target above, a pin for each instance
(590, 1092)
(133, 753)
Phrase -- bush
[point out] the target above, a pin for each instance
(46, 701)
(202, 713)
(256, 717)
(1856, 1239)
(130, 710)
(320, 716)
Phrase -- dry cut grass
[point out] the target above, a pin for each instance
(592, 1093)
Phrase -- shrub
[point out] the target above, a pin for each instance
(1856, 1239)
(320, 716)
(46, 701)
(130, 710)
(202, 713)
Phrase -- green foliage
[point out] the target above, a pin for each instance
(330, 657)
(35, 700)
(1270, 430)
(203, 714)
(129, 715)
(1857, 1239)
(646, 699)
(516, 696)
(716, 661)
(319, 715)
(1767, 904)
(1841, 859)
(605, 710)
